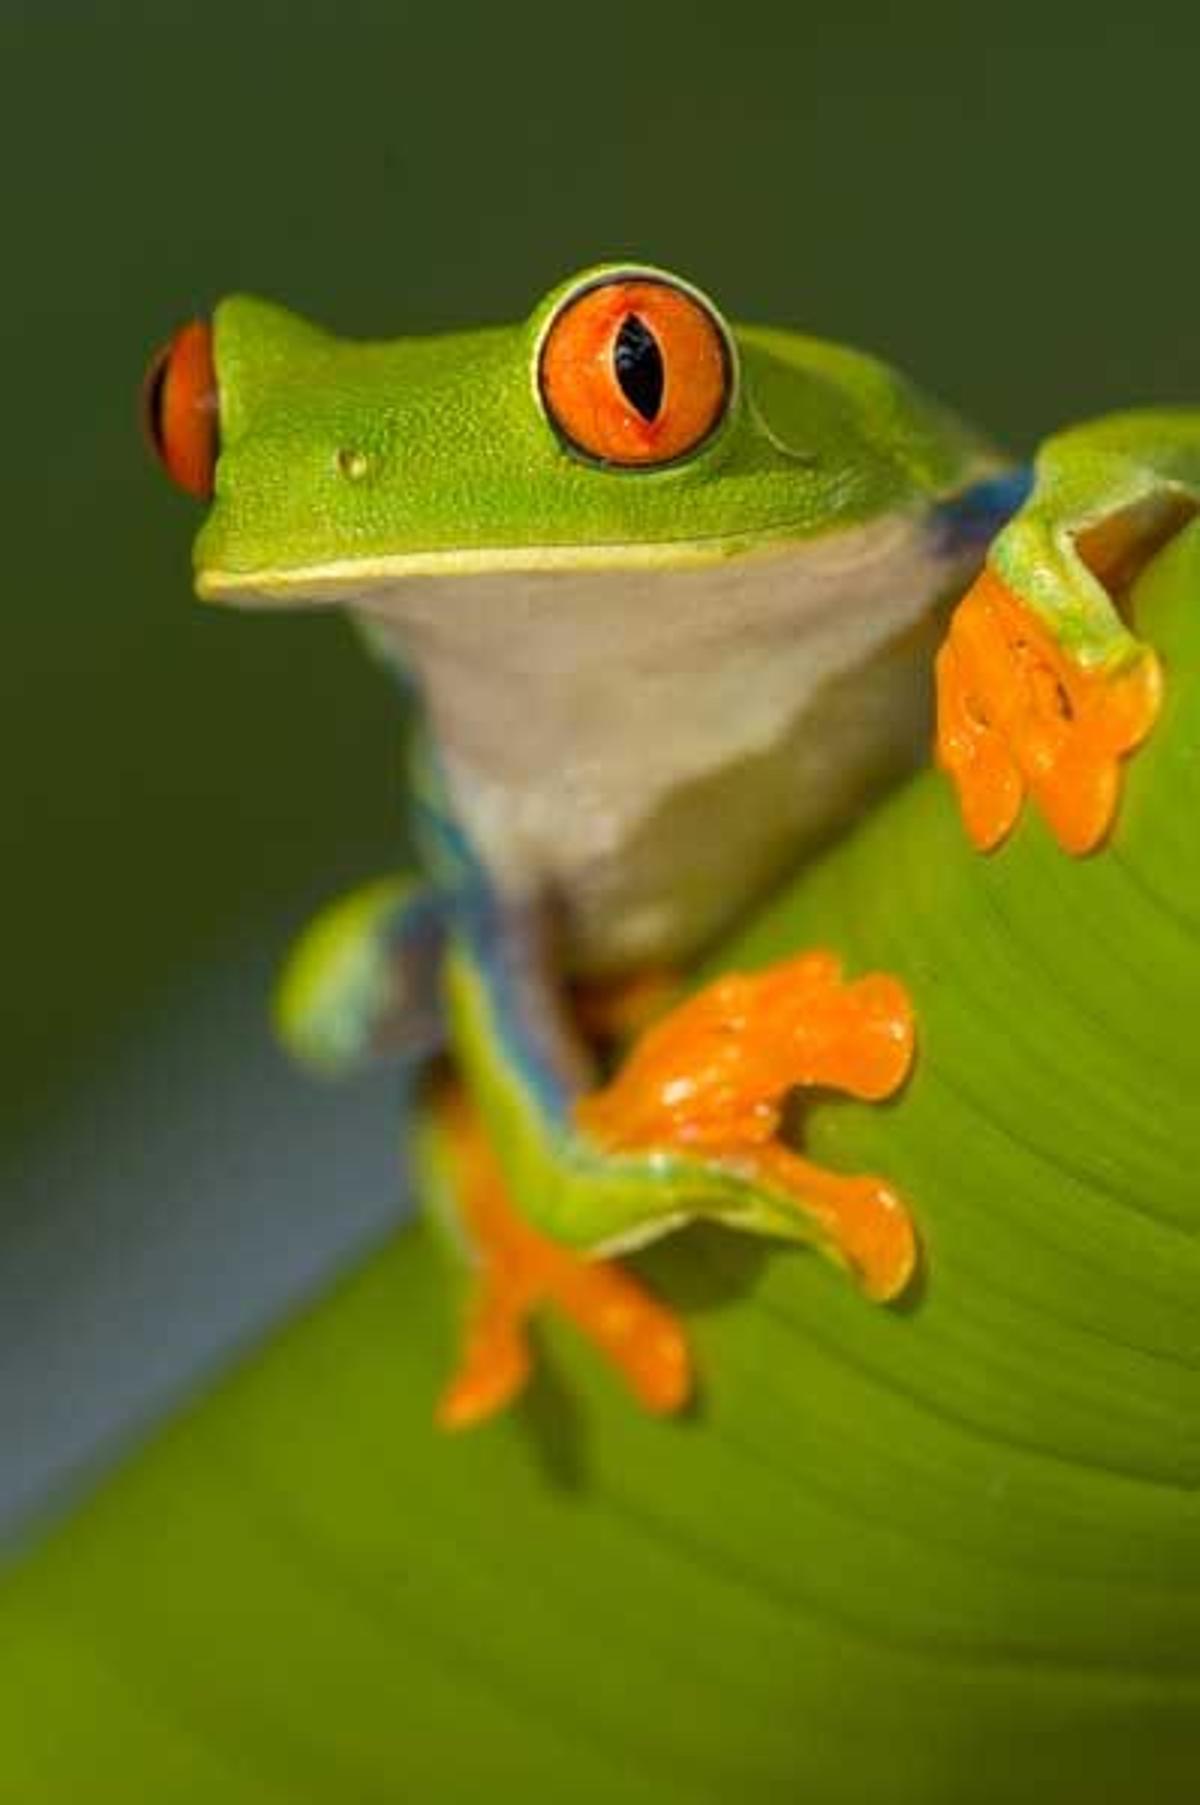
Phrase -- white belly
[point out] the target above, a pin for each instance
(654, 748)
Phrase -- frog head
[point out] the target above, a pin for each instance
(626, 423)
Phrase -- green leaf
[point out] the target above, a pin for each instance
(945, 1552)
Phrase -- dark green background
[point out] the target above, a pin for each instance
(1014, 224)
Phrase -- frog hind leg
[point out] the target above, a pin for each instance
(711, 1081)
(517, 1271)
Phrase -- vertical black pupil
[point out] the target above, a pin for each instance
(152, 401)
(639, 366)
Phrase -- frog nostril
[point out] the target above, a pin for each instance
(352, 463)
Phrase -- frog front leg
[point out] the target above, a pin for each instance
(689, 1127)
(361, 982)
(1043, 686)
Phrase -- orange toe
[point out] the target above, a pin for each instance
(642, 1338)
(977, 757)
(1017, 717)
(494, 1366)
(863, 1218)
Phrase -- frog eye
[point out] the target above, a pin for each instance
(635, 370)
(179, 409)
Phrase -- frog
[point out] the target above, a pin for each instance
(669, 602)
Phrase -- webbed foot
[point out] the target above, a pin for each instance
(1018, 717)
(712, 1078)
(521, 1271)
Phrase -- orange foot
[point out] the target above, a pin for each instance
(712, 1078)
(1017, 716)
(519, 1271)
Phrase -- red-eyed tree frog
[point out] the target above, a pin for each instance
(665, 595)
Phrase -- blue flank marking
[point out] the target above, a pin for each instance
(976, 515)
(418, 926)
(510, 969)
(417, 937)
(446, 854)
(504, 946)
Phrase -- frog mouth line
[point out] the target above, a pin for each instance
(333, 582)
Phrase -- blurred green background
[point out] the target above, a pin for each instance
(1014, 224)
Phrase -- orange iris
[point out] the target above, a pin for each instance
(179, 409)
(635, 371)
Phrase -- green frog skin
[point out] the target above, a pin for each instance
(665, 595)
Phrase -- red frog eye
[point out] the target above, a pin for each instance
(635, 371)
(179, 409)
